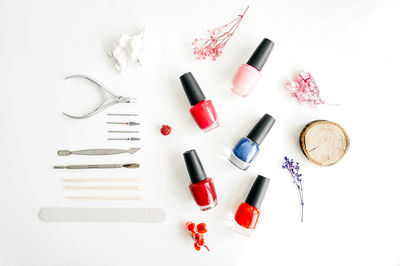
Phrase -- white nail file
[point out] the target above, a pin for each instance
(131, 215)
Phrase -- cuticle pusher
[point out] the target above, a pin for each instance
(97, 166)
(97, 152)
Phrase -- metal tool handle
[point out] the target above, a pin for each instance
(99, 152)
(89, 166)
(104, 166)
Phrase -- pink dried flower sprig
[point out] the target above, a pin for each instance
(213, 45)
(304, 88)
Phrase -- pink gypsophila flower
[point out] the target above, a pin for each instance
(217, 38)
(304, 88)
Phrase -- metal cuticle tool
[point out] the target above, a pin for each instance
(130, 123)
(131, 139)
(97, 152)
(123, 131)
(109, 100)
(97, 166)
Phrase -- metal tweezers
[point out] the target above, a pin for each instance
(111, 98)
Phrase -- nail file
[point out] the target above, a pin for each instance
(100, 179)
(131, 215)
(101, 197)
(105, 187)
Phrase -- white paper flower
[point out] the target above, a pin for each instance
(128, 48)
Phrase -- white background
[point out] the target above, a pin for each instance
(352, 213)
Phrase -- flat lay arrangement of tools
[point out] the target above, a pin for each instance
(103, 184)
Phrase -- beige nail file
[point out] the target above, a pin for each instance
(108, 197)
(105, 187)
(131, 215)
(100, 179)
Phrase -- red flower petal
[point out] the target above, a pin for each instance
(201, 228)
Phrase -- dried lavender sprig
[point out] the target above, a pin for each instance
(296, 179)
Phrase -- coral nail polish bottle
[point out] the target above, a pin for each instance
(202, 187)
(202, 110)
(247, 214)
(248, 75)
(246, 150)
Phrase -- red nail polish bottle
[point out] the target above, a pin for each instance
(202, 187)
(202, 110)
(246, 216)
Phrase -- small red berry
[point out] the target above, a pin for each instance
(166, 130)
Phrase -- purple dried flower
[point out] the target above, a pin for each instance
(294, 169)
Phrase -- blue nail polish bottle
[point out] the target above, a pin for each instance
(246, 150)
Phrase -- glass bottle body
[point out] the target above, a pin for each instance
(204, 194)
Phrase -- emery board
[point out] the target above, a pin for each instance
(129, 215)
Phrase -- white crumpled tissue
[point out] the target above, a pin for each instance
(128, 48)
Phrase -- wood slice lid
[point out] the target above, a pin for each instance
(324, 142)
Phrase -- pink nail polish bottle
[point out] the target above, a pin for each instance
(248, 75)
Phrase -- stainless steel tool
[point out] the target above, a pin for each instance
(97, 152)
(109, 100)
(122, 114)
(131, 139)
(130, 123)
(123, 131)
(97, 166)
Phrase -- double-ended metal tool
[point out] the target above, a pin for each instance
(109, 100)
(97, 152)
(97, 166)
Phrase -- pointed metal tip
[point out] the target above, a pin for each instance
(131, 165)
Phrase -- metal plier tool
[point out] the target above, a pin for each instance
(109, 100)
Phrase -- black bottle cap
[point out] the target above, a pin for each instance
(261, 129)
(261, 54)
(194, 166)
(257, 191)
(192, 88)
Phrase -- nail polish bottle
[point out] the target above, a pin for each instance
(247, 214)
(202, 187)
(202, 110)
(246, 150)
(248, 75)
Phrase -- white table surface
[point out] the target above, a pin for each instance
(352, 213)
